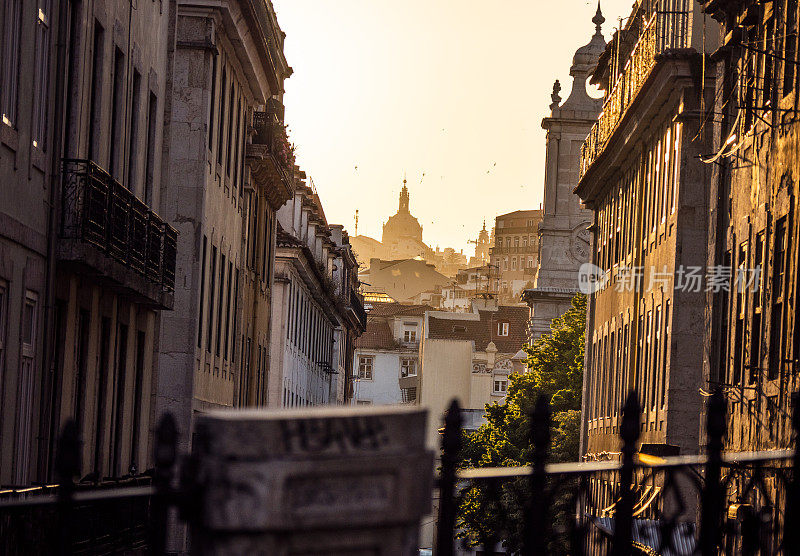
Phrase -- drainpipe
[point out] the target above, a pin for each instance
(48, 427)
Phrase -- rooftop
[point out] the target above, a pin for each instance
(482, 328)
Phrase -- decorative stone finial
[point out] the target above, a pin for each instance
(598, 19)
(555, 97)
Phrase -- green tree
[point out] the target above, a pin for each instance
(555, 370)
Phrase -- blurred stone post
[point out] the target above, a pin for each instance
(334, 481)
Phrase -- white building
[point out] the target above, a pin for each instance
(316, 310)
(386, 359)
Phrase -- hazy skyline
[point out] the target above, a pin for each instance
(454, 89)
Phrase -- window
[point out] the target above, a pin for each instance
(525, 241)
(213, 102)
(117, 112)
(363, 402)
(96, 101)
(212, 286)
(777, 322)
(150, 152)
(502, 329)
(221, 303)
(408, 395)
(513, 263)
(365, 367)
(789, 48)
(500, 385)
(516, 241)
(229, 145)
(133, 137)
(410, 336)
(505, 263)
(228, 308)
(221, 116)
(12, 28)
(408, 367)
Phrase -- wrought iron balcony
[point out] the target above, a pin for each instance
(663, 30)
(98, 211)
(270, 155)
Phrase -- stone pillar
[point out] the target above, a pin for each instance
(333, 480)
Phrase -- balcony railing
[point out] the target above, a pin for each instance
(270, 155)
(663, 31)
(629, 503)
(100, 211)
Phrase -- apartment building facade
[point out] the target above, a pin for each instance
(515, 254)
(753, 326)
(83, 282)
(226, 183)
(642, 177)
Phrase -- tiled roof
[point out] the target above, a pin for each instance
(484, 330)
(379, 309)
(378, 335)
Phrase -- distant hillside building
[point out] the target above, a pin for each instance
(386, 360)
(402, 233)
(482, 246)
(563, 232)
(402, 239)
(515, 254)
(469, 356)
(403, 279)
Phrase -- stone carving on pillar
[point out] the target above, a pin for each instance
(555, 97)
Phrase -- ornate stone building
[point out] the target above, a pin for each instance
(753, 330)
(515, 254)
(563, 232)
(642, 177)
(226, 184)
(402, 233)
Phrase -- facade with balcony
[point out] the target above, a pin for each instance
(82, 134)
(225, 186)
(642, 177)
(754, 332)
(317, 312)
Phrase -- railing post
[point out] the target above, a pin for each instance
(535, 526)
(712, 503)
(164, 455)
(451, 446)
(791, 524)
(67, 467)
(629, 433)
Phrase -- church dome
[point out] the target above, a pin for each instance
(402, 224)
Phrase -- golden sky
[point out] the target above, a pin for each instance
(456, 89)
